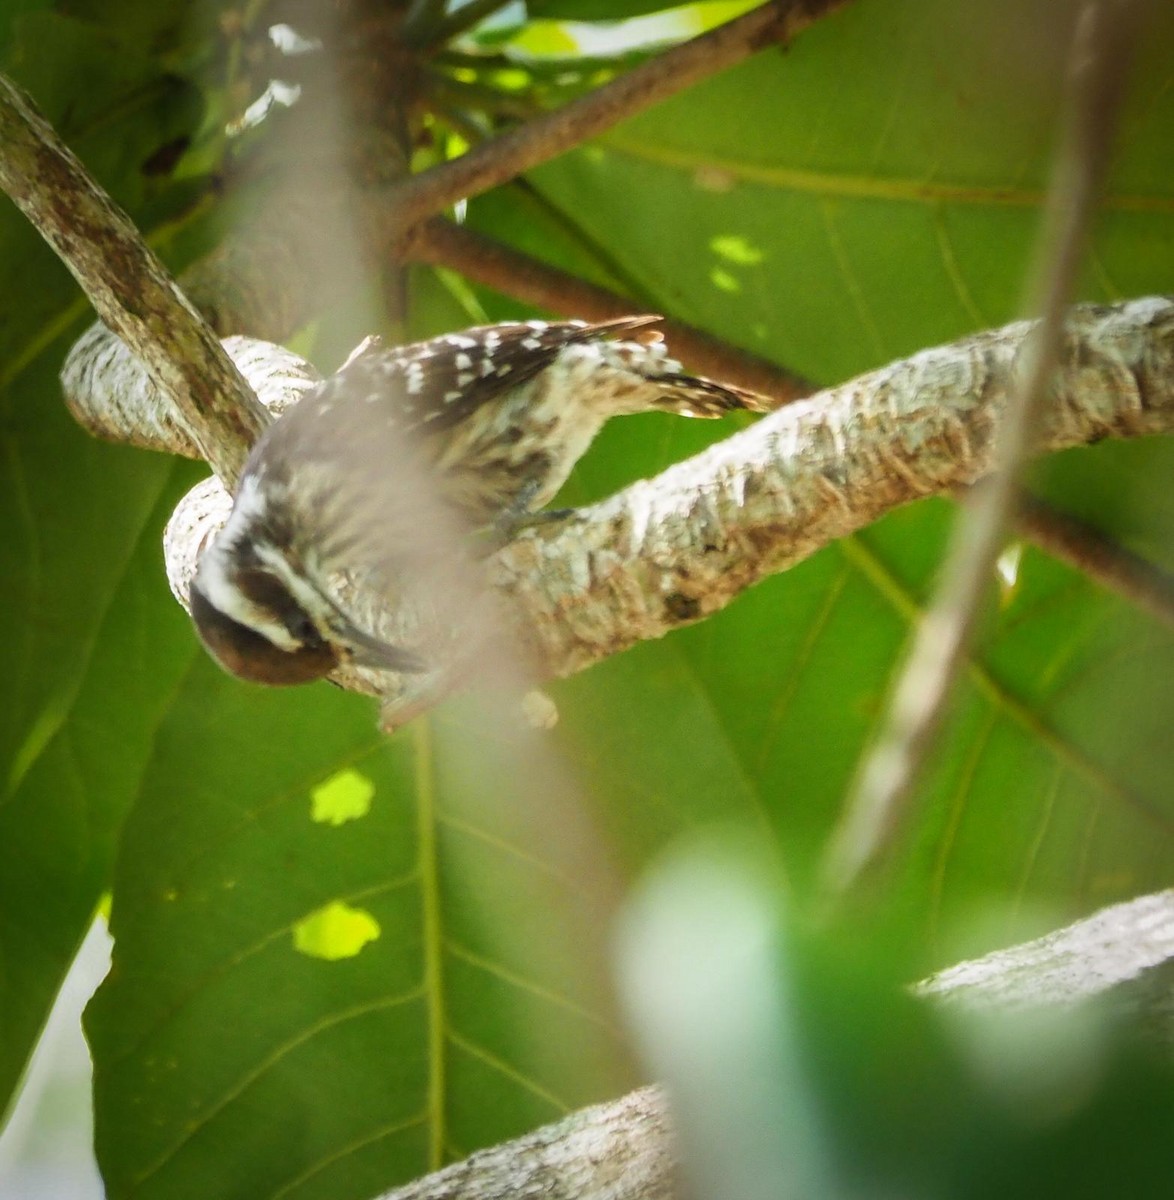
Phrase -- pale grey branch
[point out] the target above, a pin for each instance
(673, 550)
(623, 1150)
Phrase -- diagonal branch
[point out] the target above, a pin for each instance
(441, 243)
(673, 550)
(127, 285)
(624, 1149)
(502, 158)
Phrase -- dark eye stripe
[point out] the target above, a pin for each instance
(271, 596)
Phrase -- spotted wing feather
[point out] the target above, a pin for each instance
(435, 385)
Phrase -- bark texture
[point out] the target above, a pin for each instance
(616, 1151)
(128, 287)
(673, 550)
(111, 396)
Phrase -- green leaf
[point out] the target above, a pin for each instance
(899, 212)
(90, 662)
(872, 191)
(94, 644)
(477, 1012)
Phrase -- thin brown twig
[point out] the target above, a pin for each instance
(504, 157)
(441, 243)
(879, 803)
(1098, 556)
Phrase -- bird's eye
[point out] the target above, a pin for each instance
(303, 630)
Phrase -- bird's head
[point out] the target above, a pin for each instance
(264, 621)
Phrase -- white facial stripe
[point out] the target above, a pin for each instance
(214, 582)
(247, 502)
(303, 591)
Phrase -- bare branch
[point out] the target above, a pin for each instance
(441, 243)
(675, 549)
(1089, 958)
(502, 158)
(126, 283)
(616, 1151)
(624, 1150)
(878, 805)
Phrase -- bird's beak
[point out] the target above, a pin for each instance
(367, 651)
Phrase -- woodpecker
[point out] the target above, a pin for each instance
(488, 422)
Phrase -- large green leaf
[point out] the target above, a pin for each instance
(341, 959)
(835, 228)
(89, 663)
(872, 191)
(92, 649)
(875, 191)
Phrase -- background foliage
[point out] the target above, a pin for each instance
(340, 960)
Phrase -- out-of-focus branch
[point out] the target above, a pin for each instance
(441, 243)
(616, 1151)
(878, 805)
(128, 286)
(623, 1150)
(502, 158)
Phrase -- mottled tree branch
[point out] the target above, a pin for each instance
(128, 286)
(673, 550)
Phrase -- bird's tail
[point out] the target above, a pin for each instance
(696, 396)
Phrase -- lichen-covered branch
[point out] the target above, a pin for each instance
(623, 1150)
(670, 551)
(127, 285)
